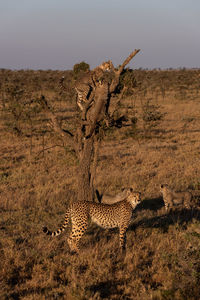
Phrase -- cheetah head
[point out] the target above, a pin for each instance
(107, 65)
(134, 198)
(163, 187)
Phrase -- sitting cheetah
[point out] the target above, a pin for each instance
(173, 199)
(108, 199)
(107, 216)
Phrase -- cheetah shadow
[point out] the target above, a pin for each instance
(38, 291)
(178, 216)
(151, 204)
(105, 288)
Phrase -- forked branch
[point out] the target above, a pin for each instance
(115, 81)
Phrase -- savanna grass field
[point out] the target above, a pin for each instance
(160, 144)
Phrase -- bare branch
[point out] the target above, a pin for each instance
(62, 86)
(115, 81)
(98, 108)
(45, 149)
(127, 60)
(118, 100)
(54, 122)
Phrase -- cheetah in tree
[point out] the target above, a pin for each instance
(104, 215)
(87, 82)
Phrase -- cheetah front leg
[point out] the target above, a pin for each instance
(73, 246)
(122, 238)
(167, 207)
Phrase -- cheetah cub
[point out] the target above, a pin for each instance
(173, 199)
(104, 215)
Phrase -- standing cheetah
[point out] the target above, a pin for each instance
(104, 215)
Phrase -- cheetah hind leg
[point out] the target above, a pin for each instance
(75, 236)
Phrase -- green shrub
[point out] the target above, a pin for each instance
(81, 67)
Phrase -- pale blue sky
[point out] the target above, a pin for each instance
(56, 34)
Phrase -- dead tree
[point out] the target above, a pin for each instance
(85, 139)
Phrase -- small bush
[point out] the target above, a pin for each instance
(81, 67)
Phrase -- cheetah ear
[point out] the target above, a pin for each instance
(161, 186)
(131, 189)
(99, 196)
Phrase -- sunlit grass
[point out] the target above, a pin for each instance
(38, 180)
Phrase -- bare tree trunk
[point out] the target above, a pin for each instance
(85, 142)
(85, 190)
(97, 112)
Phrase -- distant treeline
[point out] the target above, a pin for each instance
(181, 81)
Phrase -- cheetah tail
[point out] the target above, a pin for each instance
(61, 229)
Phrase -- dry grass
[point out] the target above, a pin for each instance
(38, 180)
